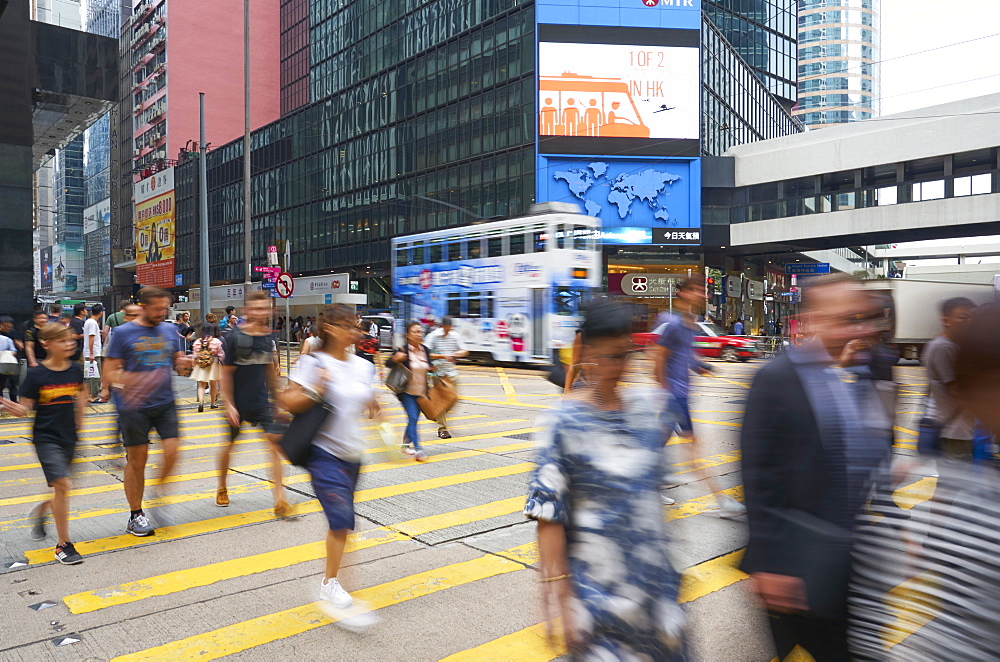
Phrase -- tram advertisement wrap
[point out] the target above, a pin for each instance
(618, 91)
(155, 230)
(512, 307)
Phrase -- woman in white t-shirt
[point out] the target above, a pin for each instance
(333, 374)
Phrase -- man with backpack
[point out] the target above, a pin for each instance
(249, 380)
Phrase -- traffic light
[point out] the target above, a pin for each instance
(710, 281)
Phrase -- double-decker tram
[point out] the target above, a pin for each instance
(514, 288)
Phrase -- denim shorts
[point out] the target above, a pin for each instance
(334, 481)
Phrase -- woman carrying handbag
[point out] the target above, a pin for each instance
(414, 358)
(335, 379)
(208, 357)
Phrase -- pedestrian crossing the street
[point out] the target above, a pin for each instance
(441, 551)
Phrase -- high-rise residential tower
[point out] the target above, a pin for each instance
(171, 50)
(839, 56)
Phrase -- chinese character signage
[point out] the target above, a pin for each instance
(155, 229)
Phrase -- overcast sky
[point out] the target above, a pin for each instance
(910, 26)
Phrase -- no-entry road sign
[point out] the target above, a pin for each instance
(285, 285)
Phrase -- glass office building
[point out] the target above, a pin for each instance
(763, 34)
(839, 54)
(417, 116)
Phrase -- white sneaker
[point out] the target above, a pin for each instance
(331, 591)
(730, 508)
(360, 617)
(667, 501)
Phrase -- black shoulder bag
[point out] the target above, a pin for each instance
(297, 441)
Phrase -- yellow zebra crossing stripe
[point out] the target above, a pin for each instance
(182, 580)
(532, 644)
(274, 627)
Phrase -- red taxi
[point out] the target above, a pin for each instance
(713, 342)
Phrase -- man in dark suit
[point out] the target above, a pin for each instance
(814, 433)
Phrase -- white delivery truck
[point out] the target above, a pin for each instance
(916, 308)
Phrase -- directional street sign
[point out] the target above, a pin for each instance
(267, 285)
(268, 270)
(285, 285)
(807, 268)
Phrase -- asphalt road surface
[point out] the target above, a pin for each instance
(441, 549)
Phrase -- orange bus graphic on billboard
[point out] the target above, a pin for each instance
(575, 105)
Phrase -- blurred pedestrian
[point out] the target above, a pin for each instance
(224, 324)
(207, 371)
(184, 329)
(367, 345)
(596, 497)
(926, 580)
(675, 360)
(445, 347)
(54, 389)
(138, 368)
(33, 349)
(335, 376)
(415, 357)
(738, 328)
(249, 380)
(76, 323)
(93, 353)
(10, 375)
(945, 428)
(813, 435)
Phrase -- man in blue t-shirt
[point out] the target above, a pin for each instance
(141, 356)
(675, 361)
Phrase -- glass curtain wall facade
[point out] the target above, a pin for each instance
(839, 54)
(736, 106)
(763, 33)
(422, 118)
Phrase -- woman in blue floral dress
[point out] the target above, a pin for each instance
(596, 498)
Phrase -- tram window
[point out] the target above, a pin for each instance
(487, 311)
(454, 304)
(517, 244)
(402, 257)
(540, 238)
(436, 253)
(475, 249)
(494, 247)
(455, 251)
(562, 232)
(475, 307)
(580, 235)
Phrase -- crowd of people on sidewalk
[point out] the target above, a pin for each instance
(826, 538)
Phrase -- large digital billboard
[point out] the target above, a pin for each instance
(639, 201)
(154, 229)
(617, 91)
(618, 112)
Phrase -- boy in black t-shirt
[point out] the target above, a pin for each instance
(54, 389)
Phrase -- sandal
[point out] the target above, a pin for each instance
(443, 433)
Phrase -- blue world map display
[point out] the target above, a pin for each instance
(640, 199)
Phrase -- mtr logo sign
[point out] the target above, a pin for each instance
(669, 3)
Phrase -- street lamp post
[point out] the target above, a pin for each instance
(206, 305)
(247, 228)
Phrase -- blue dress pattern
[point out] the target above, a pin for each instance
(599, 475)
